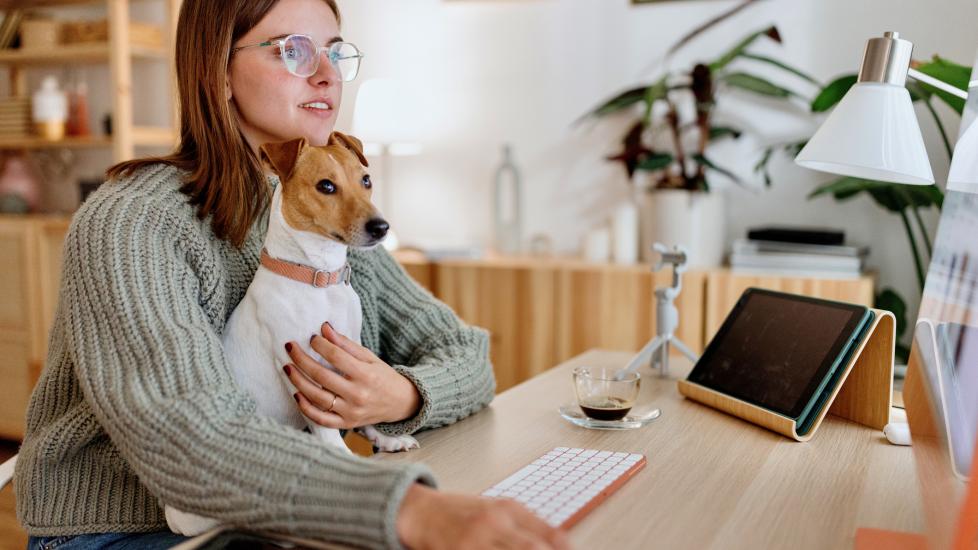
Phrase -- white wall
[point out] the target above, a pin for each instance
(522, 71)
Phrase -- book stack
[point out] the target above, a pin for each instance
(755, 256)
(15, 117)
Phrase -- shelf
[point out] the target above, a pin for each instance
(8, 4)
(143, 136)
(74, 53)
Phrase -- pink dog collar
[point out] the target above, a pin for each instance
(305, 274)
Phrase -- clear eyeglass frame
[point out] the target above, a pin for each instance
(302, 57)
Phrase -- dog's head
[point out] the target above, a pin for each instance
(326, 190)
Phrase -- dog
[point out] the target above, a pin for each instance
(320, 208)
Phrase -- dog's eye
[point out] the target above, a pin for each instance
(366, 181)
(326, 187)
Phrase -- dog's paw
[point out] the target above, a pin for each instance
(388, 443)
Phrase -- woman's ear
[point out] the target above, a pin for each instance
(227, 89)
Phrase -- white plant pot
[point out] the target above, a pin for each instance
(695, 220)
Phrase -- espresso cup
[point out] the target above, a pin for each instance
(602, 396)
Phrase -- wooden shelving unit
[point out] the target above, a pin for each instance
(119, 53)
(74, 53)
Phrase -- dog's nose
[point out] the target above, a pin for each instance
(377, 228)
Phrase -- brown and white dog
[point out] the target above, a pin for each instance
(321, 207)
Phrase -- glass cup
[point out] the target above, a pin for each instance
(603, 397)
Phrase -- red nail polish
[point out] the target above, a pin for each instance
(296, 396)
(288, 347)
(288, 370)
(311, 338)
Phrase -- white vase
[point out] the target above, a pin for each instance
(624, 233)
(692, 219)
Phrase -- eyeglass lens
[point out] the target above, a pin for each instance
(301, 57)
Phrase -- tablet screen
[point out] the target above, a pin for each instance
(775, 349)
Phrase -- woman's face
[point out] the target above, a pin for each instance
(272, 104)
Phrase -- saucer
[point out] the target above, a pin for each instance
(636, 418)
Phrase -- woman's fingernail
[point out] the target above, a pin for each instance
(296, 396)
(288, 347)
(288, 370)
(329, 325)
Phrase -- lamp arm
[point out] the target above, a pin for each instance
(939, 84)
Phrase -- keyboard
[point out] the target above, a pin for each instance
(564, 485)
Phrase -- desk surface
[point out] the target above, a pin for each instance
(712, 481)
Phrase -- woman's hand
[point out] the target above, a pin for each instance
(368, 391)
(432, 520)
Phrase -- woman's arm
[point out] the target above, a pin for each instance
(152, 367)
(423, 340)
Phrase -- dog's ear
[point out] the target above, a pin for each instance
(282, 156)
(351, 143)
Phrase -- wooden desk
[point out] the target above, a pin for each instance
(712, 481)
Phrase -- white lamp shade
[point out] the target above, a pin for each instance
(873, 134)
(387, 113)
(964, 163)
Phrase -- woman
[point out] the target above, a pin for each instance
(137, 406)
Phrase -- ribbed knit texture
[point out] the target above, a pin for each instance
(137, 402)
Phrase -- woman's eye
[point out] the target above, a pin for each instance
(291, 53)
(326, 187)
(366, 182)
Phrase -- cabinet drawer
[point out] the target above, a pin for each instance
(18, 381)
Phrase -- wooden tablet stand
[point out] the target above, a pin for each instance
(864, 394)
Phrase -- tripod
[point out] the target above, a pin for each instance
(656, 352)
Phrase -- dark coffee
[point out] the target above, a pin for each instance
(606, 408)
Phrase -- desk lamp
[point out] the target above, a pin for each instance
(873, 134)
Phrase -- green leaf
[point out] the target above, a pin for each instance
(653, 93)
(833, 93)
(782, 66)
(951, 73)
(718, 132)
(893, 197)
(757, 85)
(891, 301)
(657, 161)
(738, 50)
(701, 159)
(762, 165)
(620, 101)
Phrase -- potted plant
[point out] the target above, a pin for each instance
(666, 150)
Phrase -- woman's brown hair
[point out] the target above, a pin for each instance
(226, 180)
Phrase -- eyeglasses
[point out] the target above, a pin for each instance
(301, 55)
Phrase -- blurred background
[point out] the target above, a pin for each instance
(526, 152)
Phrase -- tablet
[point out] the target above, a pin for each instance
(781, 351)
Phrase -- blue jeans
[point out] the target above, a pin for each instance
(111, 541)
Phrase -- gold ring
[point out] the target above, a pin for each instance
(330, 409)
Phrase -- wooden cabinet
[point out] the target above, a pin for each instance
(543, 312)
(30, 272)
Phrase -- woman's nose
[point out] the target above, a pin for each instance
(327, 73)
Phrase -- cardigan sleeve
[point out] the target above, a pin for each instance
(151, 365)
(423, 339)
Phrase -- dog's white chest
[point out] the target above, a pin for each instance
(274, 311)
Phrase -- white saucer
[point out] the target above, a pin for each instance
(636, 418)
